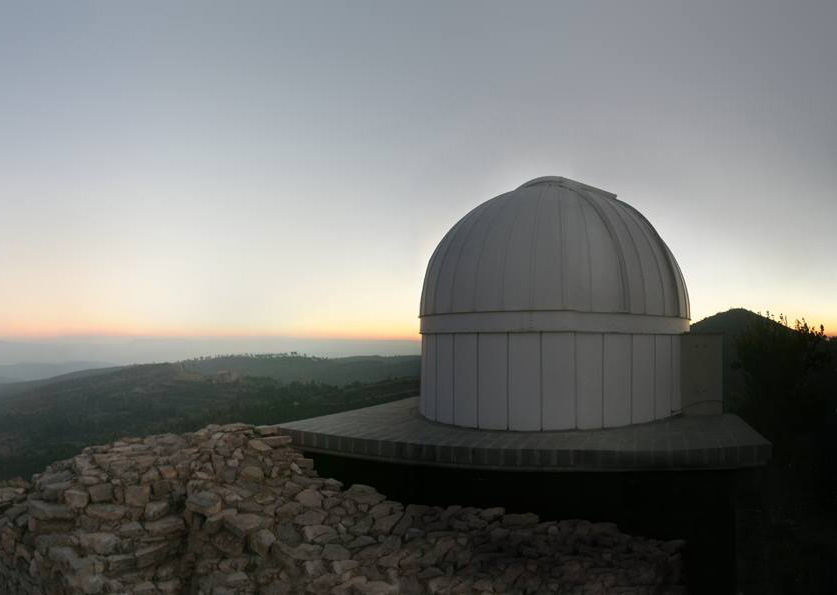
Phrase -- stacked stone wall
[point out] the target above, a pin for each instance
(236, 510)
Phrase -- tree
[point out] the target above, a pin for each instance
(783, 397)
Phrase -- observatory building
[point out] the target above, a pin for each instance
(555, 306)
(555, 337)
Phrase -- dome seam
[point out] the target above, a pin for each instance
(627, 302)
(631, 213)
(589, 259)
(443, 254)
(501, 205)
(475, 219)
(532, 249)
(635, 249)
(506, 256)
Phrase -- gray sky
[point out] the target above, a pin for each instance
(202, 168)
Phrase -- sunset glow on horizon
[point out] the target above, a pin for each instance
(288, 171)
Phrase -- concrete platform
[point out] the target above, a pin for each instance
(396, 433)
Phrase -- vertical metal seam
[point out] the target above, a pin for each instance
(671, 375)
(501, 204)
(589, 263)
(422, 377)
(453, 378)
(619, 216)
(631, 214)
(533, 253)
(562, 252)
(540, 382)
(603, 379)
(477, 422)
(441, 254)
(575, 378)
(631, 381)
(617, 248)
(436, 379)
(654, 392)
(475, 219)
(506, 258)
(682, 282)
(508, 375)
(674, 268)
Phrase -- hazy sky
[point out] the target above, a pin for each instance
(201, 168)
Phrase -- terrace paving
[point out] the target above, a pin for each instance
(395, 432)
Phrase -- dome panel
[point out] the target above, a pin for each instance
(576, 270)
(547, 288)
(486, 293)
(606, 285)
(463, 293)
(518, 256)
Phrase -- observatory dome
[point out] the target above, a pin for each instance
(553, 306)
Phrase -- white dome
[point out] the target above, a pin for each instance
(553, 306)
(553, 245)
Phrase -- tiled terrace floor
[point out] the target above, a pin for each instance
(395, 432)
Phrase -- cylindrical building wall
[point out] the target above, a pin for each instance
(531, 381)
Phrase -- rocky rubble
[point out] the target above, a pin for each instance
(235, 509)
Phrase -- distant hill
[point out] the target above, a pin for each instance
(45, 420)
(26, 371)
(731, 324)
(18, 387)
(299, 368)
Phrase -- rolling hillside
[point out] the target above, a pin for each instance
(26, 371)
(42, 421)
(299, 368)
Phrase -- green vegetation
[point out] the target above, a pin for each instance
(782, 380)
(294, 367)
(785, 391)
(43, 421)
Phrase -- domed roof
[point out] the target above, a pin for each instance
(553, 245)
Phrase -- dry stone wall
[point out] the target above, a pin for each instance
(236, 510)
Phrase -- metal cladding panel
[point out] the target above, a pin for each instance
(662, 374)
(532, 381)
(463, 298)
(605, 273)
(444, 378)
(493, 381)
(630, 265)
(642, 378)
(488, 289)
(443, 296)
(675, 374)
(669, 286)
(518, 263)
(428, 369)
(588, 348)
(682, 291)
(465, 380)
(617, 380)
(438, 262)
(547, 285)
(524, 381)
(576, 257)
(423, 375)
(558, 377)
(644, 269)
